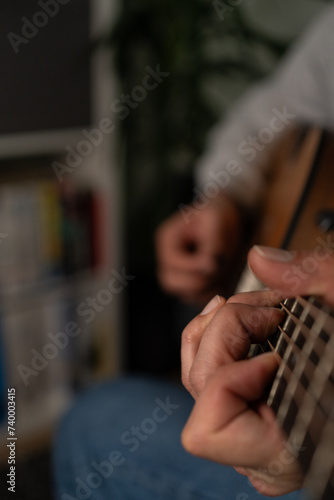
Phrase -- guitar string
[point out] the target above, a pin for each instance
(303, 378)
(301, 399)
(311, 341)
(306, 333)
(312, 403)
(324, 376)
(313, 311)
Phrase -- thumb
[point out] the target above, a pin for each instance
(305, 272)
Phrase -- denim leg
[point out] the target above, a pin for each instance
(121, 441)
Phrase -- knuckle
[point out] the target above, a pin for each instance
(192, 331)
(197, 380)
(193, 441)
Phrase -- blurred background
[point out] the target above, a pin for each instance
(212, 51)
(91, 162)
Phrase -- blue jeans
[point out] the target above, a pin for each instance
(121, 441)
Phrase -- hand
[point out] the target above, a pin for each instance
(194, 253)
(231, 423)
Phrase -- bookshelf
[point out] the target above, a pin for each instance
(61, 272)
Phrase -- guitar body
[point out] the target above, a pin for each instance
(302, 189)
(298, 207)
(290, 168)
(299, 214)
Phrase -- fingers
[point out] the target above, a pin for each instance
(225, 335)
(183, 268)
(264, 298)
(295, 273)
(223, 423)
(191, 338)
(192, 253)
(232, 425)
(173, 243)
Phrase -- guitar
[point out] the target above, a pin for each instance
(302, 394)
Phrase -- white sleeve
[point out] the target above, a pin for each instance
(301, 90)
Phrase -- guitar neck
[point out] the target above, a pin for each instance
(302, 394)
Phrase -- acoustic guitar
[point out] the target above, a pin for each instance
(299, 213)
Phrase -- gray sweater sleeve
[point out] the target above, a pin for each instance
(300, 90)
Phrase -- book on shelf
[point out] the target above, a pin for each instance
(45, 354)
(47, 348)
(48, 230)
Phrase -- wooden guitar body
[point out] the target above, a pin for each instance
(302, 189)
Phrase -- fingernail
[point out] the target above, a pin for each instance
(211, 305)
(275, 254)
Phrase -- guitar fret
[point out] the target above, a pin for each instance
(291, 415)
(302, 395)
(291, 356)
(296, 309)
(300, 340)
(319, 398)
(282, 345)
(326, 401)
(312, 437)
(303, 335)
(315, 419)
(300, 359)
(288, 327)
(302, 375)
(314, 399)
(296, 390)
(279, 388)
(316, 308)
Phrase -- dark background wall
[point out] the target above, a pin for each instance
(44, 60)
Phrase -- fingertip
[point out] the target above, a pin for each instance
(274, 254)
(212, 305)
(268, 363)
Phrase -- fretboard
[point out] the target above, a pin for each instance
(302, 394)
